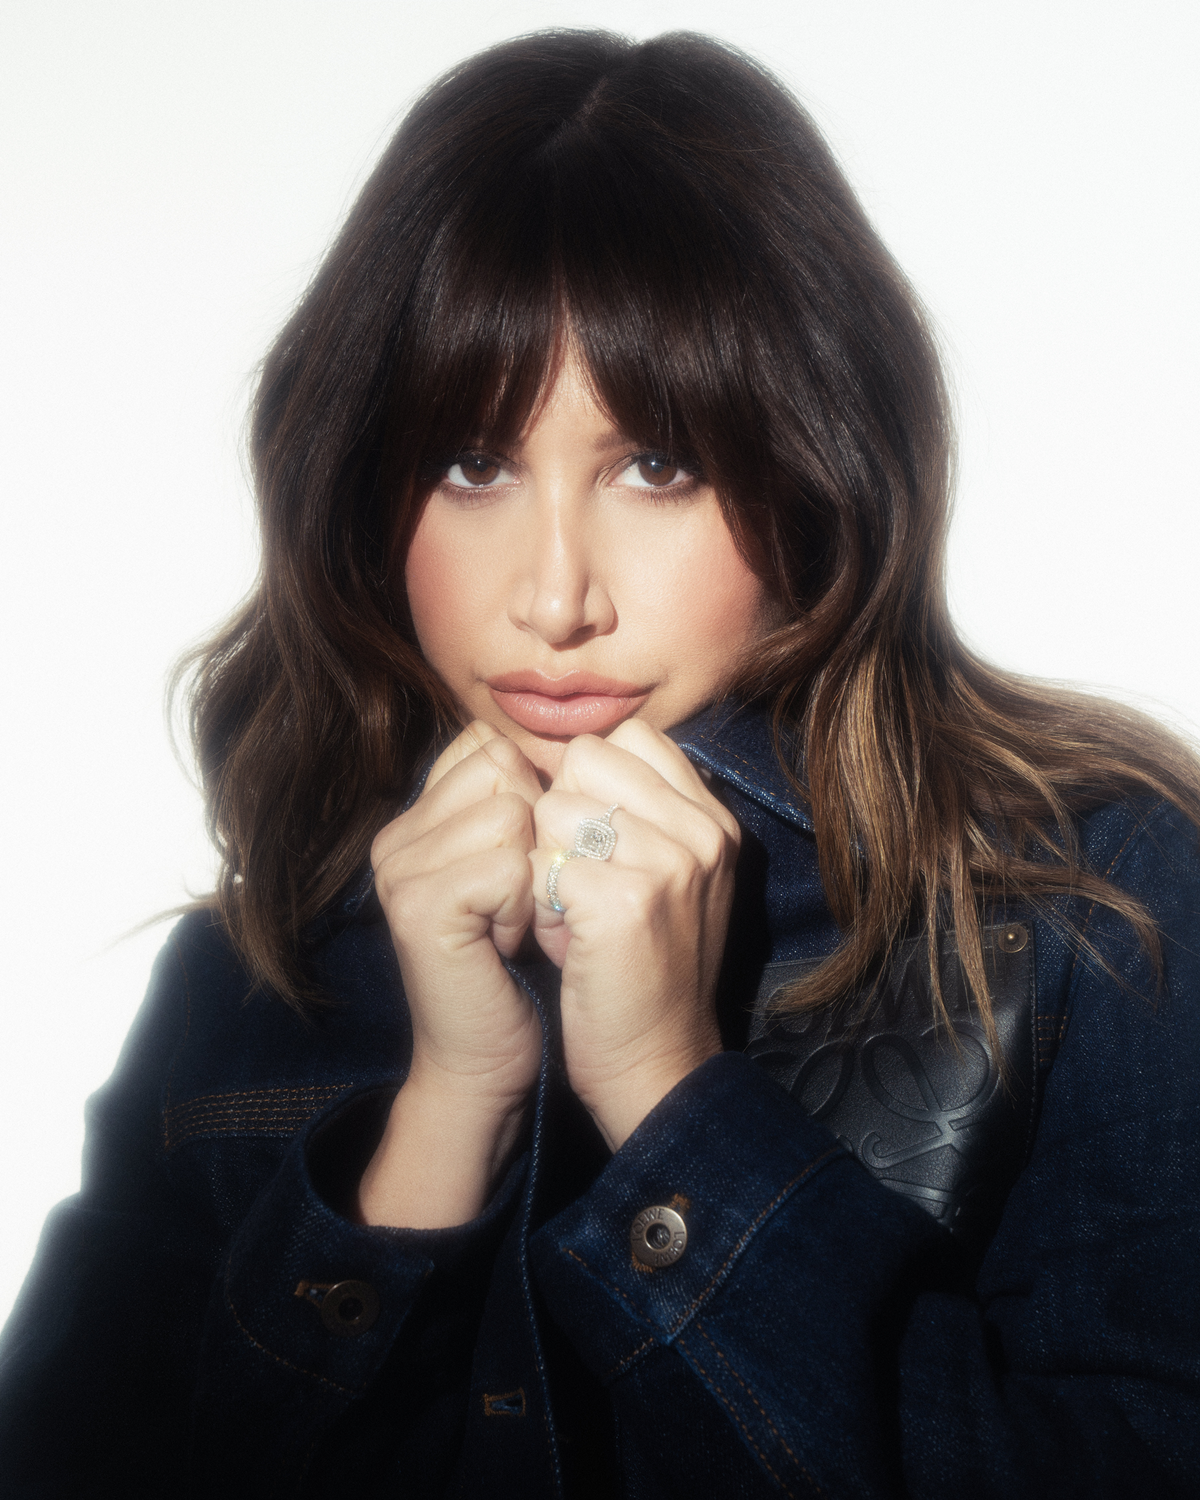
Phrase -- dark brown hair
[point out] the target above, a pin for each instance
(672, 206)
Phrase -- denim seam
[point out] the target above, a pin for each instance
(719, 1275)
(345, 1390)
(301, 1104)
(1034, 1043)
(750, 1230)
(623, 1364)
(301, 1107)
(535, 1150)
(252, 1123)
(729, 1407)
(308, 1088)
(1051, 1030)
(183, 1123)
(616, 1291)
(1141, 826)
(300, 1111)
(778, 1435)
(279, 1130)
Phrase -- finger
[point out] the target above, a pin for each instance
(504, 821)
(657, 750)
(454, 906)
(474, 737)
(610, 773)
(492, 769)
(639, 844)
(480, 746)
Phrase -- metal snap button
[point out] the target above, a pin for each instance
(349, 1308)
(657, 1237)
(1013, 938)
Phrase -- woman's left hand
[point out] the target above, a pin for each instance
(641, 935)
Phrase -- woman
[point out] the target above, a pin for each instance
(756, 1053)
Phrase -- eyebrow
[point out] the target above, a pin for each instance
(610, 443)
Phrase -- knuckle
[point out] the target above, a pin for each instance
(511, 865)
(503, 754)
(685, 868)
(549, 808)
(640, 895)
(571, 755)
(407, 904)
(627, 733)
(711, 844)
(379, 849)
(510, 815)
(386, 842)
(579, 754)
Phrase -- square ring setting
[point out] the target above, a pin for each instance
(595, 838)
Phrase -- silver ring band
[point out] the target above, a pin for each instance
(556, 865)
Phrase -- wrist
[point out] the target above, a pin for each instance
(443, 1152)
(619, 1105)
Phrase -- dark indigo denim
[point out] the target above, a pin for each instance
(820, 1336)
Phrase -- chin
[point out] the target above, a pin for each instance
(545, 756)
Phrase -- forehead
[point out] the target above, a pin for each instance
(568, 406)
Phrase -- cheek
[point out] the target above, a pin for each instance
(438, 579)
(709, 598)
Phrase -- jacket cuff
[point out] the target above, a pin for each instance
(284, 1286)
(725, 1149)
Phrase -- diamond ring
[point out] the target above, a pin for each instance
(595, 838)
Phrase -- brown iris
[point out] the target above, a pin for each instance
(478, 469)
(657, 471)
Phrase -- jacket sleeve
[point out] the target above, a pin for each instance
(158, 1347)
(818, 1338)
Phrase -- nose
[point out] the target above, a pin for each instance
(560, 594)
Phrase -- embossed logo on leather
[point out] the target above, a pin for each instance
(929, 1110)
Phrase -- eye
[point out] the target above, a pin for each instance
(653, 471)
(476, 471)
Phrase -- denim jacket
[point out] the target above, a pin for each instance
(202, 1318)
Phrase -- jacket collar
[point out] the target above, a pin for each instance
(736, 744)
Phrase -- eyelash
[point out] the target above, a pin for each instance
(687, 479)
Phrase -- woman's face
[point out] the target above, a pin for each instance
(573, 581)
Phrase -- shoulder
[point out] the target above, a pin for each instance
(1149, 850)
(1141, 842)
(247, 1062)
(212, 1055)
(1132, 1014)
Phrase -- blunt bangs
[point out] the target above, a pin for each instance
(600, 224)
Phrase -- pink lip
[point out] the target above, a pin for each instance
(561, 707)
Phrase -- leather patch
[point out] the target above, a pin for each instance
(931, 1111)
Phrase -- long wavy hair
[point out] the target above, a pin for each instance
(672, 206)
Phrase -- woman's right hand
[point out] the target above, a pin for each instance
(452, 875)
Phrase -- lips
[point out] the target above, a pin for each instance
(562, 707)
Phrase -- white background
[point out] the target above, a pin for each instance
(171, 175)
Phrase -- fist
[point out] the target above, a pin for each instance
(641, 935)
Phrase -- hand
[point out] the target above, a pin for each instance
(642, 935)
(452, 874)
